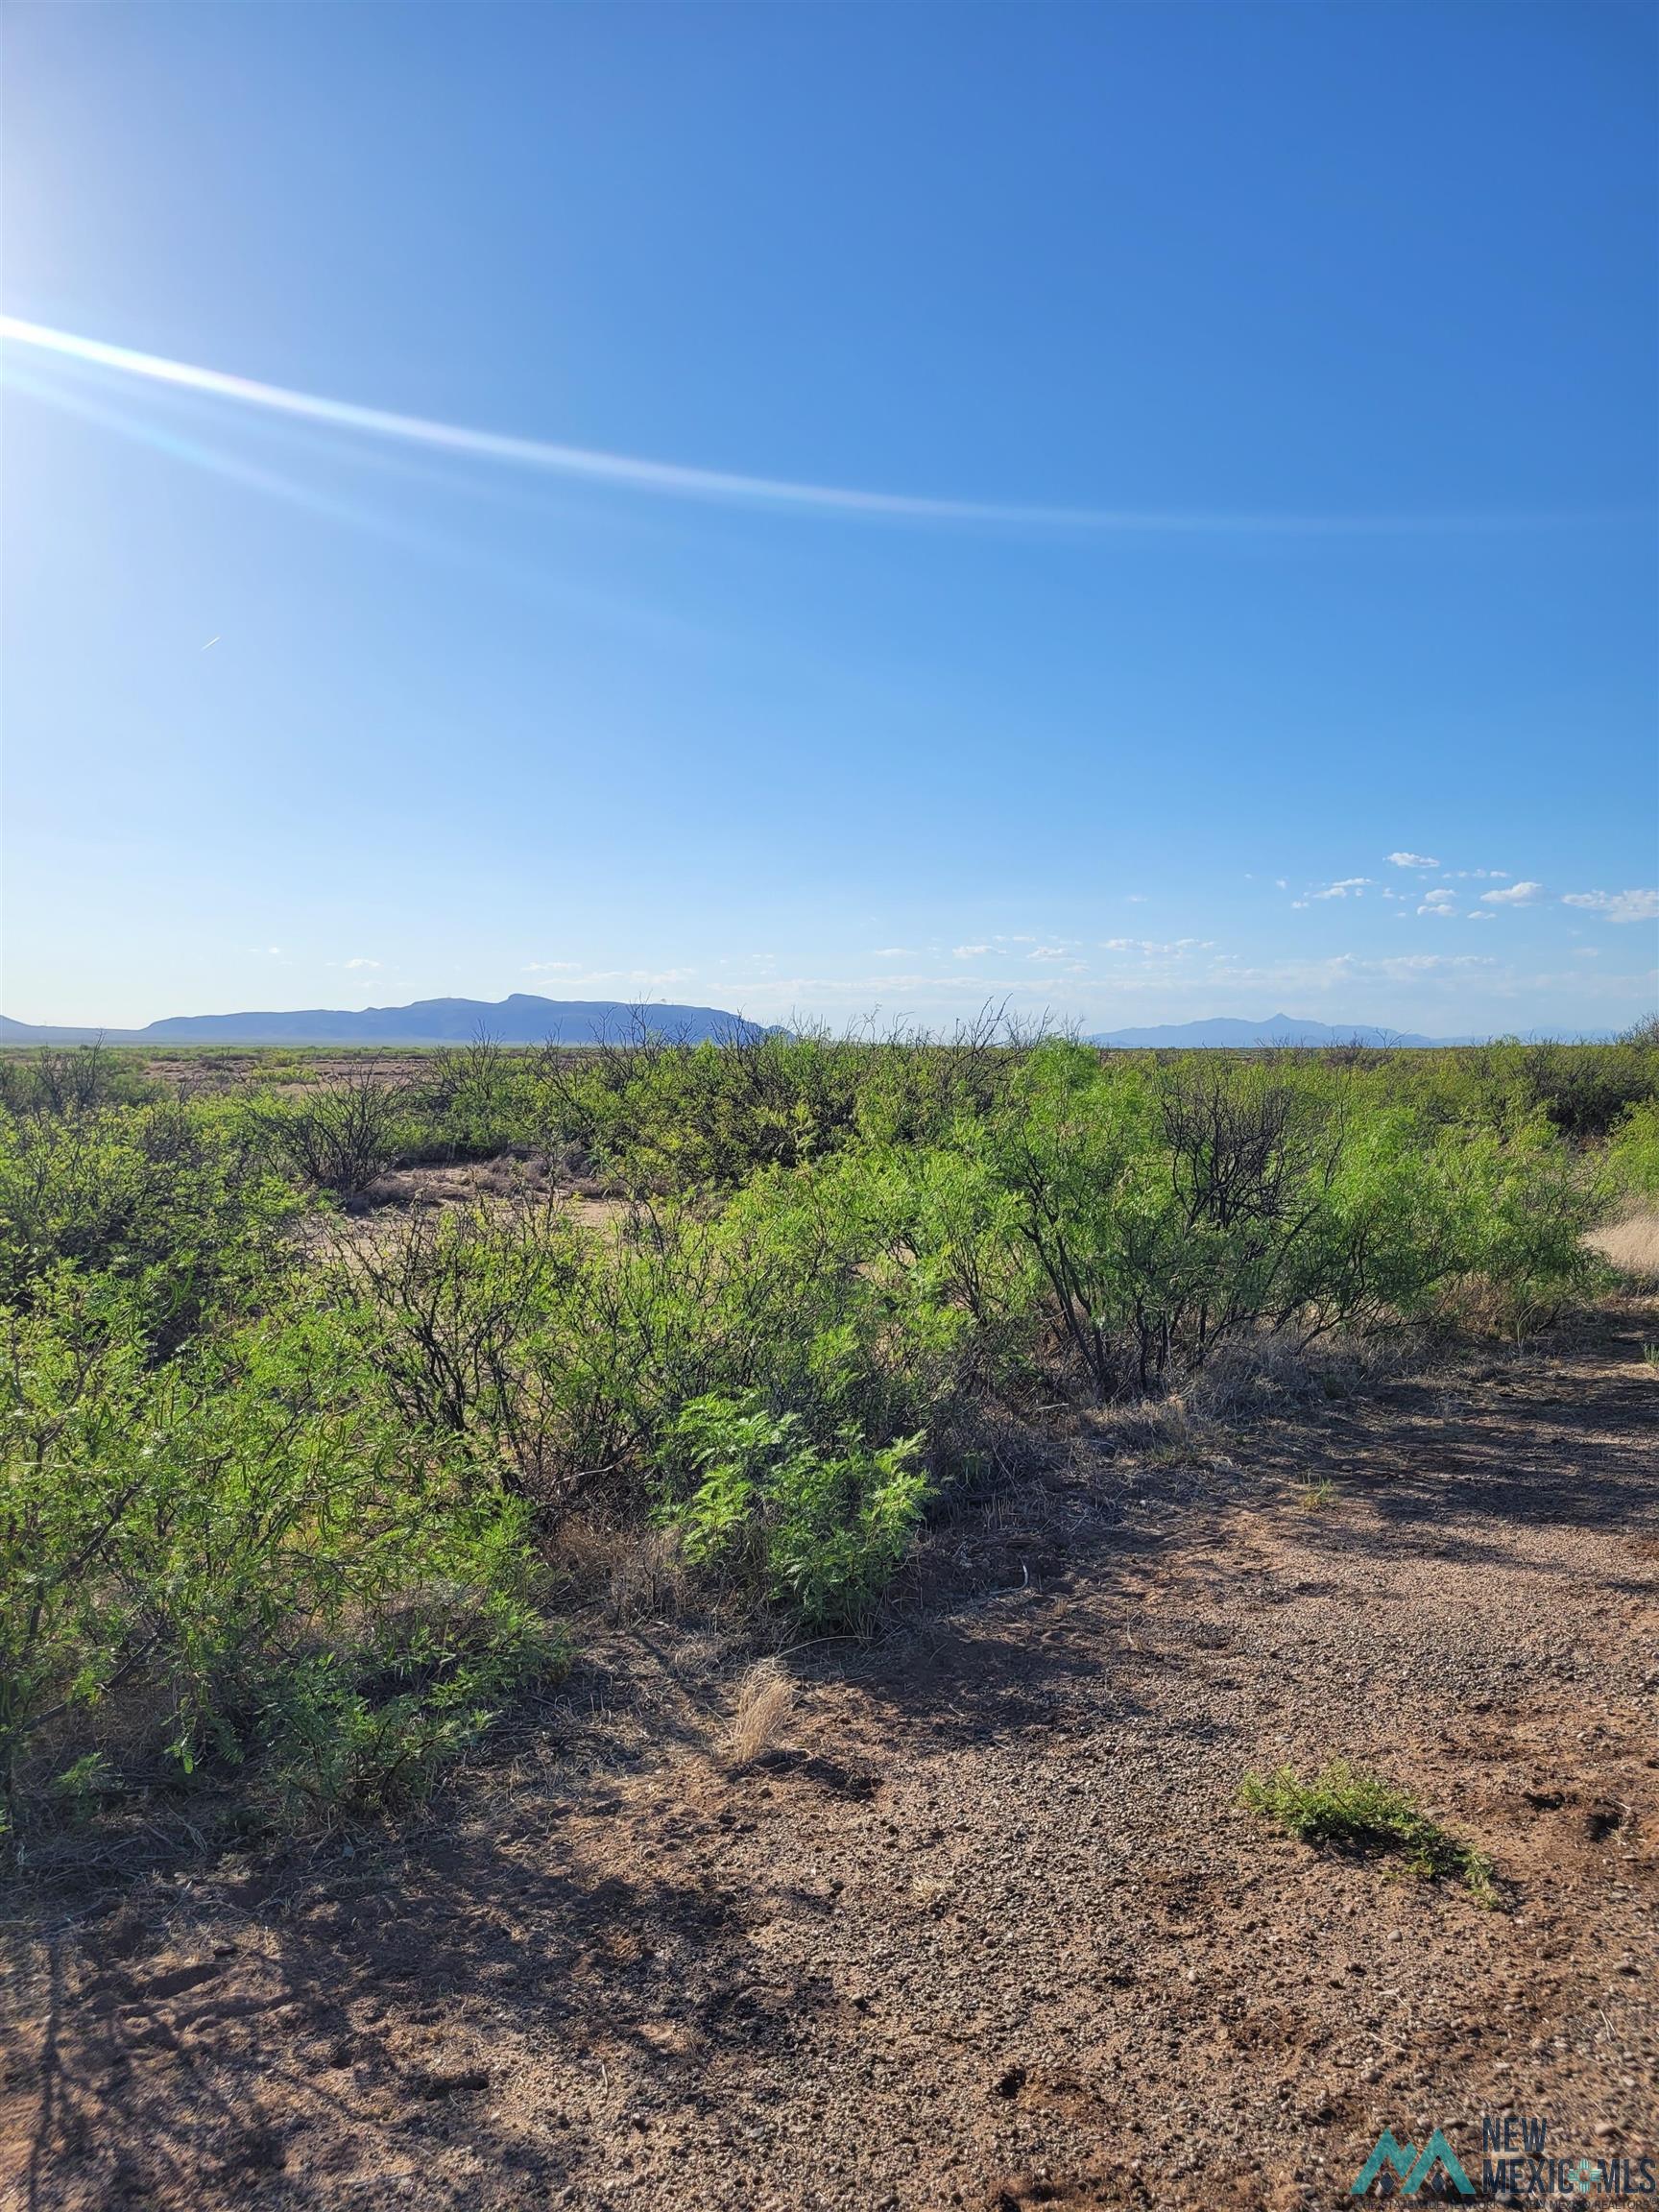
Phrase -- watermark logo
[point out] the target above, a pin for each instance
(1396, 2166)
(1516, 2160)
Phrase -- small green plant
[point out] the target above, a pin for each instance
(1651, 1354)
(1355, 1812)
(822, 1532)
(350, 1746)
(85, 1784)
(1315, 1497)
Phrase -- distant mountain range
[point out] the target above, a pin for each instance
(1277, 1029)
(524, 1020)
(518, 1020)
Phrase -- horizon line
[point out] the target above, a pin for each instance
(1298, 1026)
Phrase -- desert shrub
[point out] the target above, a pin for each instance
(1430, 1221)
(368, 1727)
(242, 1537)
(272, 1502)
(449, 1314)
(915, 1090)
(1148, 1215)
(546, 1358)
(677, 1117)
(162, 1200)
(673, 1118)
(71, 1079)
(340, 1137)
(788, 1292)
(1585, 1089)
(478, 1103)
(1158, 1215)
(1526, 1205)
(1633, 1154)
(822, 1532)
(1581, 1090)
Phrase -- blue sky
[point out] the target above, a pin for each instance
(1334, 325)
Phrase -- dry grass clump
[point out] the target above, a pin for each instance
(602, 1562)
(1246, 1378)
(766, 1700)
(648, 1578)
(1631, 1245)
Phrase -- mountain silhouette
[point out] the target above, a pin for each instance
(517, 1020)
(1277, 1029)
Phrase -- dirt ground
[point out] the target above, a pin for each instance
(985, 1926)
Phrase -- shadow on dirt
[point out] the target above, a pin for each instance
(357, 2024)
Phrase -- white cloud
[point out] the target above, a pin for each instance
(1517, 895)
(1615, 905)
(360, 962)
(1433, 990)
(1053, 952)
(1411, 861)
(634, 982)
(1413, 964)
(646, 979)
(1280, 884)
(1150, 947)
(1480, 916)
(970, 952)
(1343, 971)
(1441, 904)
(1358, 885)
(1480, 874)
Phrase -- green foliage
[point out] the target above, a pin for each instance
(368, 1728)
(163, 1202)
(1356, 1811)
(239, 1532)
(273, 1484)
(1633, 1154)
(822, 1531)
(545, 1355)
(1315, 1497)
(1581, 1089)
(1146, 1215)
(340, 1137)
(64, 1079)
(671, 1118)
(450, 1318)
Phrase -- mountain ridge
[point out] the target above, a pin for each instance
(522, 1018)
(1228, 1032)
(519, 1018)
